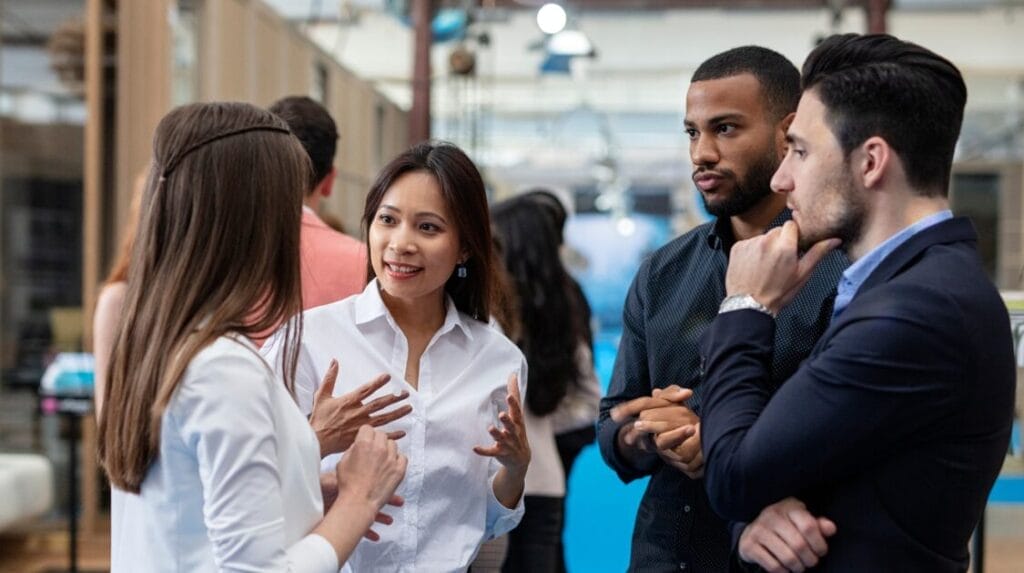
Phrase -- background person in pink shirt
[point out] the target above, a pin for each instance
(333, 264)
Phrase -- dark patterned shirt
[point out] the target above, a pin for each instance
(673, 299)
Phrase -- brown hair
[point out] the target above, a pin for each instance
(119, 272)
(463, 191)
(216, 252)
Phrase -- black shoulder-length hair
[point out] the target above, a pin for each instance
(463, 191)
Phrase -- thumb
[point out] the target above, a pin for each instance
(326, 389)
(827, 526)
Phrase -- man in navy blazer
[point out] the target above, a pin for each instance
(878, 454)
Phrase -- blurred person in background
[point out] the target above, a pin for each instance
(573, 421)
(214, 464)
(333, 264)
(423, 321)
(555, 338)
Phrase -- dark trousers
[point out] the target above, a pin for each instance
(535, 546)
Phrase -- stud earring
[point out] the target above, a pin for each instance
(460, 271)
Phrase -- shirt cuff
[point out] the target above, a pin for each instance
(500, 519)
(313, 553)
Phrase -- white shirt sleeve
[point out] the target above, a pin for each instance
(306, 381)
(500, 519)
(225, 416)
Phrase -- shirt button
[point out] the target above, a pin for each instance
(682, 566)
(686, 508)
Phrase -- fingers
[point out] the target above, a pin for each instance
(489, 451)
(514, 400)
(674, 438)
(807, 526)
(783, 553)
(673, 393)
(827, 526)
(396, 501)
(366, 390)
(326, 389)
(371, 535)
(396, 435)
(384, 401)
(384, 518)
(632, 408)
(388, 417)
(758, 554)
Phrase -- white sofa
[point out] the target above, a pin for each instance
(26, 488)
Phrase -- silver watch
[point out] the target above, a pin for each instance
(743, 302)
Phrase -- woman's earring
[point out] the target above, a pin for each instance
(460, 271)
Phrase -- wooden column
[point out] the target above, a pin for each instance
(877, 10)
(419, 116)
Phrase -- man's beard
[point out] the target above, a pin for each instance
(748, 192)
(848, 224)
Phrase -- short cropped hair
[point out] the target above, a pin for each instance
(779, 78)
(878, 85)
(315, 128)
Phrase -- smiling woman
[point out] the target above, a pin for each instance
(423, 321)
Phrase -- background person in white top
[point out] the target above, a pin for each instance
(553, 337)
(423, 320)
(215, 465)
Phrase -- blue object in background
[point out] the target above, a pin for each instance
(69, 373)
(600, 509)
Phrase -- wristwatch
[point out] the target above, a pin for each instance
(743, 302)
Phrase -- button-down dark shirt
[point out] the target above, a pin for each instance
(673, 299)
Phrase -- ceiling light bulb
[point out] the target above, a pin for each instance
(551, 18)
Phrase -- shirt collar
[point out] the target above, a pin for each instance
(858, 272)
(370, 307)
(720, 236)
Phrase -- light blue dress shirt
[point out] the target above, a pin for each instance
(858, 272)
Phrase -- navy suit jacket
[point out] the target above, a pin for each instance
(896, 425)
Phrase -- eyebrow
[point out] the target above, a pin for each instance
(727, 117)
(793, 138)
(420, 214)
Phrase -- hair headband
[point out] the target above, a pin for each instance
(171, 165)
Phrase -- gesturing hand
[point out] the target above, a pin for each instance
(369, 473)
(337, 420)
(511, 447)
(786, 537)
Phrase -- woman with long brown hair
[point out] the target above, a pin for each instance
(423, 319)
(216, 467)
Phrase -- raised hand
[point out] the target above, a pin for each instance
(511, 447)
(337, 420)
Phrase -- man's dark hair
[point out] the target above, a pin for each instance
(314, 127)
(779, 78)
(877, 85)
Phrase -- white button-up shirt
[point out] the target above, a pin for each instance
(236, 484)
(450, 507)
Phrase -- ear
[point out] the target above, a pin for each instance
(463, 256)
(327, 185)
(875, 162)
(781, 129)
